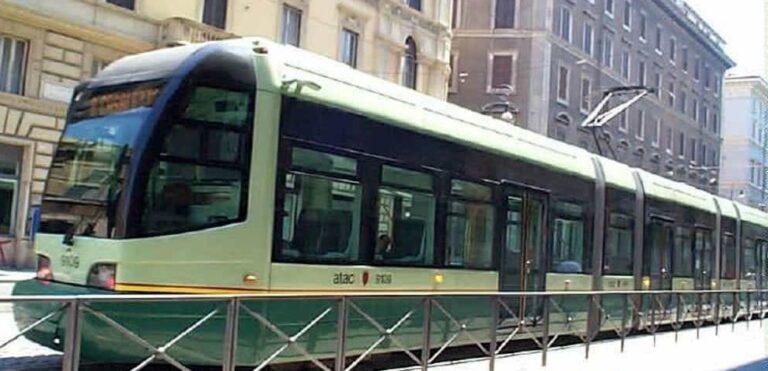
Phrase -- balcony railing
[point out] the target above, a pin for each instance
(177, 30)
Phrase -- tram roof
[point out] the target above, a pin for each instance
(752, 215)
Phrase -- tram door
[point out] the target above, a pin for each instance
(703, 261)
(658, 258)
(523, 247)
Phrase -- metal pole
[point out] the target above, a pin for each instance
(698, 322)
(71, 361)
(230, 335)
(653, 318)
(677, 315)
(749, 308)
(735, 310)
(493, 332)
(591, 318)
(717, 313)
(341, 335)
(426, 330)
(625, 299)
(545, 330)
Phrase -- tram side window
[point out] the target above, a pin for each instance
(406, 217)
(682, 257)
(748, 259)
(704, 250)
(470, 226)
(321, 209)
(200, 175)
(568, 249)
(728, 256)
(618, 251)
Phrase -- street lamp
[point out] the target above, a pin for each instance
(502, 107)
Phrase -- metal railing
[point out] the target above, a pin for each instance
(539, 317)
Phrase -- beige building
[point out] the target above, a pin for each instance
(48, 46)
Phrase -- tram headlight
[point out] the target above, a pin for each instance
(102, 275)
(44, 271)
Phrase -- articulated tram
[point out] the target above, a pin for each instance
(245, 166)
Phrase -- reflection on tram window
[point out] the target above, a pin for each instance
(183, 196)
(218, 106)
(321, 211)
(618, 246)
(470, 226)
(682, 256)
(728, 255)
(406, 217)
(748, 260)
(568, 252)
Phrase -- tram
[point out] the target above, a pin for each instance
(245, 166)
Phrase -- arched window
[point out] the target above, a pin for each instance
(410, 64)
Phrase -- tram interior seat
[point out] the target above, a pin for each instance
(408, 239)
(323, 233)
(568, 266)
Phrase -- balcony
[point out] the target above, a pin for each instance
(176, 30)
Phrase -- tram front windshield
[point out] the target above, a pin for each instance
(91, 163)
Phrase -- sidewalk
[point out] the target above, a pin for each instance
(10, 276)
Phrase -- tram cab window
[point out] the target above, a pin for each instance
(748, 259)
(406, 217)
(470, 225)
(728, 257)
(321, 209)
(200, 175)
(618, 246)
(568, 234)
(682, 256)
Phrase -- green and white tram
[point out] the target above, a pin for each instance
(245, 166)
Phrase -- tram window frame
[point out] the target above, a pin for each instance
(748, 243)
(555, 265)
(608, 257)
(427, 253)
(683, 252)
(707, 240)
(728, 257)
(488, 263)
(293, 173)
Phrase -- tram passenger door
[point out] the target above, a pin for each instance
(703, 262)
(523, 247)
(658, 259)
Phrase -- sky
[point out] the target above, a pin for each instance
(741, 23)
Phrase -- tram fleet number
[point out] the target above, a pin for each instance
(343, 278)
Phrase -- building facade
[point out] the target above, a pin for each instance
(47, 47)
(745, 140)
(555, 58)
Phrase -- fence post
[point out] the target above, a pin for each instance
(717, 313)
(544, 330)
(735, 310)
(341, 334)
(71, 360)
(625, 300)
(230, 335)
(677, 315)
(749, 308)
(426, 331)
(493, 332)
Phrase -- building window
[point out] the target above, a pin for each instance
(291, 26)
(586, 95)
(627, 14)
(692, 149)
(641, 74)
(671, 91)
(695, 109)
(504, 15)
(704, 116)
(643, 27)
(685, 59)
(672, 50)
(717, 84)
(707, 77)
(640, 129)
(703, 155)
(589, 35)
(10, 169)
(608, 52)
(564, 27)
(215, 13)
(348, 47)
(658, 40)
(657, 85)
(682, 104)
(127, 4)
(623, 122)
(502, 72)
(414, 4)
(625, 63)
(609, 8)
(752, 171)
(669, 139)
(13, 61)
(681, 144)
(697, 68)
(563, 76)
(410, 64)
(469, 233)
(716, 123)
(656, 134)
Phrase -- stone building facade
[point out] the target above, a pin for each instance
(47, 47)
(558, 56)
